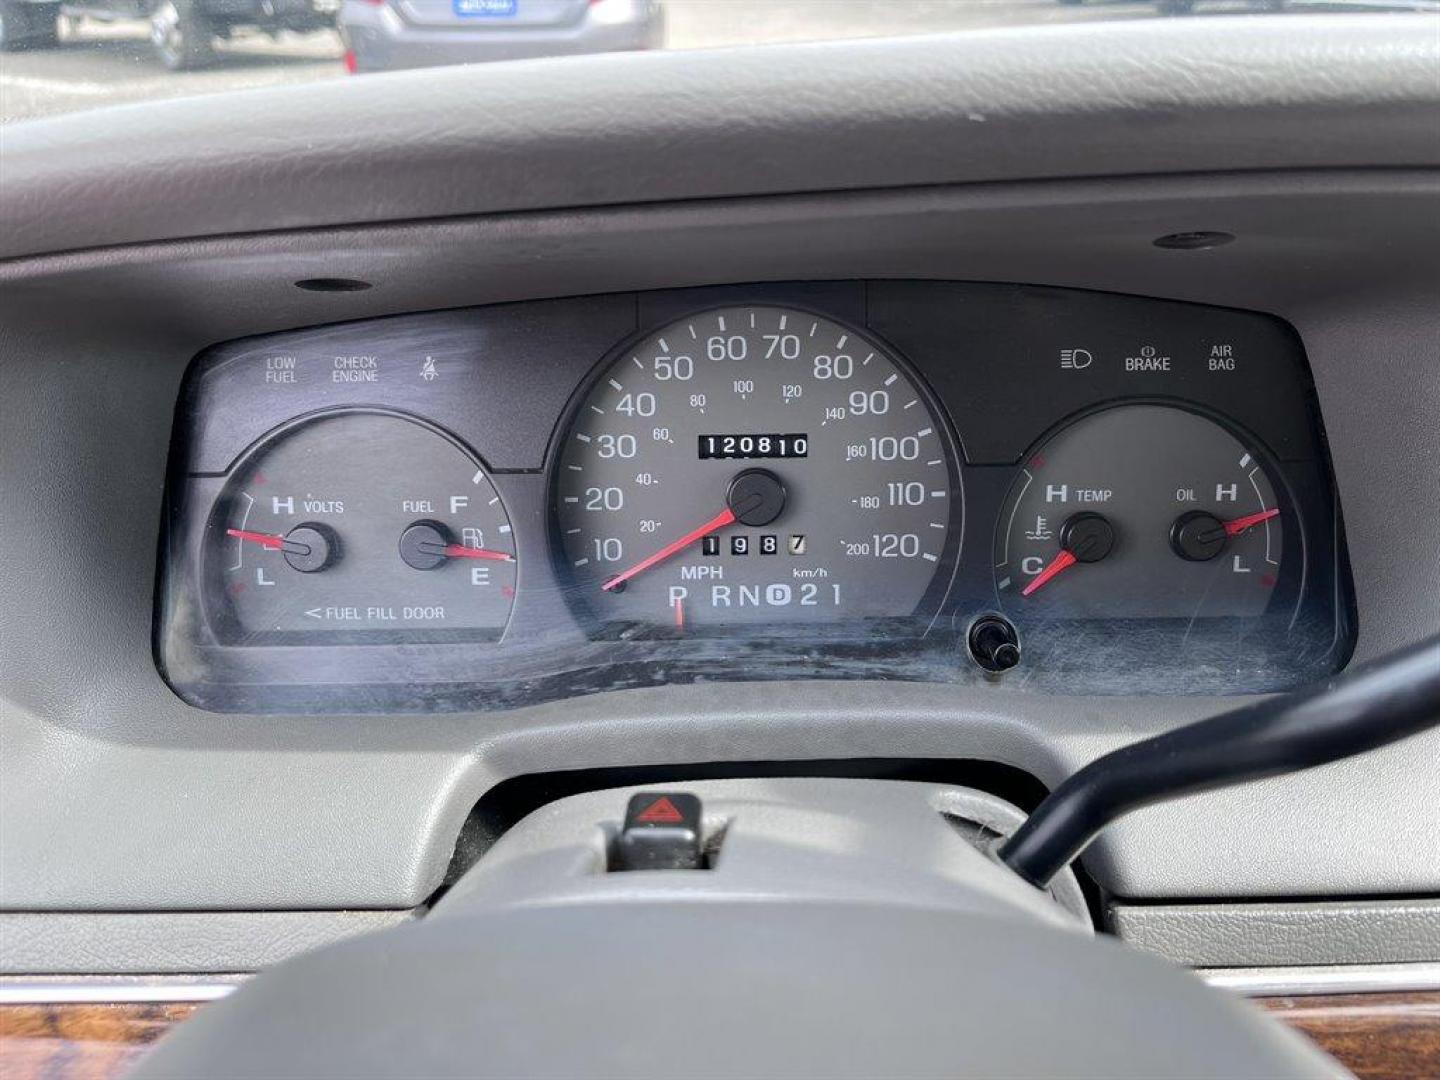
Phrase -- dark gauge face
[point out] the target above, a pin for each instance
(1140, 511)
(360, 527)
(756, 465)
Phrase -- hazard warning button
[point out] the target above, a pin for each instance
(661, 832)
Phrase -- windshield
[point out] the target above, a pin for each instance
(64, 57)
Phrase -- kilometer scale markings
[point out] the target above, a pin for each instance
(889, 377)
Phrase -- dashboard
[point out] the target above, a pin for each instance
(344, 348)
(902, 480)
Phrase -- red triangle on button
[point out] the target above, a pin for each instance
(660, 812)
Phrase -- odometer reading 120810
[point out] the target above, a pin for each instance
(754, 446)
(824, 487)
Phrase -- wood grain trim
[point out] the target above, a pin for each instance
(81, 1042)
(1376, 1036)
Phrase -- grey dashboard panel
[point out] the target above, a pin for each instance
(1284, 934)
(159, 943)
(1123, 99)
(134, 801)
(809, 842)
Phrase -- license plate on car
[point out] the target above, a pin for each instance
(484, 9)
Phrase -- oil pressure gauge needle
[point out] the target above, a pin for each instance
(719, 521)
(1236, 526)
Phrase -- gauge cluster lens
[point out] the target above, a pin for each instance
(1141, 512)
(751, 483)
(361, 525)
(756, 465)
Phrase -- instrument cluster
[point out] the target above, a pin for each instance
(1051, 490)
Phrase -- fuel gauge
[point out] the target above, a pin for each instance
(359, 527)
(1143, 512)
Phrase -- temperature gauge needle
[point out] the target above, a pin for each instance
(1238, 525)
(460, 551)
(1062, 561)
(270, 541)
(719, 521)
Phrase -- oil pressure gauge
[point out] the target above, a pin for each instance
(1140, 512)
(359, 527)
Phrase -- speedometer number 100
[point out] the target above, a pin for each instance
(731, 468)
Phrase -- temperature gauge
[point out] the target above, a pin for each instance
(1140, 511)
(360, 526)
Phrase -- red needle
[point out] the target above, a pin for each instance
(1060, 562)
(460, 551)
(719, 521)
(1240, 524)
(266, 540)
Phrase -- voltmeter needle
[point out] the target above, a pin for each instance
(270, 540)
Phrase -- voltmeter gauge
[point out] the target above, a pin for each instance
(1140, 512)
(359, 527)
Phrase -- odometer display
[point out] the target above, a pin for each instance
(754, 446)
(824, 487)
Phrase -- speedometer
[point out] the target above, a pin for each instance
(756, 465)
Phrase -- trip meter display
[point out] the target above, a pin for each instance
(360, 526)
(756, 465)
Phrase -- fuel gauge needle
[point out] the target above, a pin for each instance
(1062, 561)
(460, 551)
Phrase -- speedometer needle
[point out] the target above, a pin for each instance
(719, 521)
(1062, 561)
(1238, 525)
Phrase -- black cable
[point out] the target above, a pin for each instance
(1375, 704)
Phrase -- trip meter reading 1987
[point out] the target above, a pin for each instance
(756, 465)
